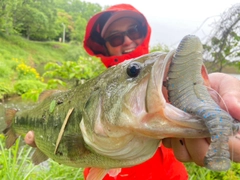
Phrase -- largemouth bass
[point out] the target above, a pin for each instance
(115, 120)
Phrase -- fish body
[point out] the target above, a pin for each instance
(115, 120)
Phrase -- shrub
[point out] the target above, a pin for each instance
(5, 89)
(29, 89)
(60, 74)
(26, 72)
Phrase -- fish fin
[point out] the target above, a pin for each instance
(8, 130)
(97, 173)
(38, 157)
(114, 172)
(11, 137)
(205, 76)
(75, 146)
(45, 94)
(9, 116)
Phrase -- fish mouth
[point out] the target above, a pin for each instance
(168, 120)
(158, 78)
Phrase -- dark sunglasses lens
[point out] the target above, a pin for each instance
(116, 40)
(134, 33)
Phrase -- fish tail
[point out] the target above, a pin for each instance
(6, 126)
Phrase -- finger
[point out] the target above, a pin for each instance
(197, 149)
(234, 146)
(29, 139)
(180, 150)
(232, 103)
(228, 88)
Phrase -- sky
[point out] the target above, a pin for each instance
(171, 20)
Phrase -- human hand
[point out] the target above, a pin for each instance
(29, 139)
(194, 150)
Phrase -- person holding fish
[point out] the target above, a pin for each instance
(120, 33)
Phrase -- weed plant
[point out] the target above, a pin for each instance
(15, 164)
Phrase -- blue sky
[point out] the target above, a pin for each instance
(172, 19)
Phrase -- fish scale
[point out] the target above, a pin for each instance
(184, 80)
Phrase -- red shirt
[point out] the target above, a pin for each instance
(162, 166)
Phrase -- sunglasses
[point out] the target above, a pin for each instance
(117, 39)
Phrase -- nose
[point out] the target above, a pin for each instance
(127, 40)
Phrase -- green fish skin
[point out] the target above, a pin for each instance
(115, 120)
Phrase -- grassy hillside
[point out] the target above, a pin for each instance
(22, 63)
(37, 53)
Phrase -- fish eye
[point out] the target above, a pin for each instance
(134, 69)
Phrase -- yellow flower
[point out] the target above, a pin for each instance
(26, 70)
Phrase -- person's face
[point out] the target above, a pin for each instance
(118, 27)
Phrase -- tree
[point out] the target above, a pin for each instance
(79, 29)
(44, 19)
(64, 19)
(80, 12)
(35, 19)
(7, 9)
(223, 48)
(76, 7)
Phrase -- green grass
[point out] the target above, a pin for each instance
(200, 173)
(15, 164)
(38, 53)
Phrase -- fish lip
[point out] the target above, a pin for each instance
(158, 75)
(159, 103)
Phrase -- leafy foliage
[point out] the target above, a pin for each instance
(29, 89)
(21, 59)
(5, 90)
(198, 173)
(84, 69)
(26, 72)
(44, 19)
